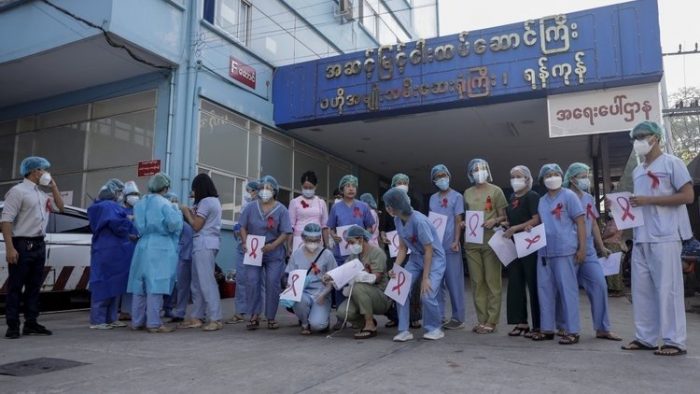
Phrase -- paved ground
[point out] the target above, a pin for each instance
(236, 361)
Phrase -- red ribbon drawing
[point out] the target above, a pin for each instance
(654, 179)
(295, 277)
(437, 222)
(590, 212)
(254, 248)
(626, 208)
(356, 212)
(270, 223)
(531, 241)
(399, 282)
(444, 203)
(472, 229)
(557, 211)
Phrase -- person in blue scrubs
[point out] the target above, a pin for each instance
(110, 255)
(269, 218)
(426, 263)
(446, 201)
(565, 228)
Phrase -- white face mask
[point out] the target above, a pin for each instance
(553, 183)
(642, 147)
(308, 193)
(265, 195)
(355, 248)
(402, 187)
(132, 200)
(481, 176)
(312, 246)
(45, 179)
(518, 184)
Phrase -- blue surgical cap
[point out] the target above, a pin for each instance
(647, 127)
(131, 188)
(368, 199)
(525, 172)
(347, 180)
(357, 232)
(110, 190)
(399, 178)
(547, 168)
(398, 200)
(312, 230)
(252, 185)
(158, 183)
(268, 180)
(438, 169)
(477, 162)
(574, 170)
(32, 163)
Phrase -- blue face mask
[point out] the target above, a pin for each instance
(583, 184)
(443, 183)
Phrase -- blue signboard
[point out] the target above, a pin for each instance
(604, 47)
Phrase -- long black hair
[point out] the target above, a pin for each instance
(203, 187)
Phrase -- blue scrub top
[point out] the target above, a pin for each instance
(341, 214)
(588, 204)
(560, 229)
(270, 225)
(451, 205)
(417, 232)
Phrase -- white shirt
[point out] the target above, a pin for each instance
(27, 207)
(662, 223)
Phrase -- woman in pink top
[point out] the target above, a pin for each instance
(306, 208)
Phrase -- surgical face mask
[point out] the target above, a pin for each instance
(45, 179)
(312, 246)
(553, 182)
(583, 184)
(642, 147)
(355, 248)
(308, 193)
(443, 183)
(518, 184)
(132, 200)
(120, 197)
(402, 187)
(481, 176)
(265, 195)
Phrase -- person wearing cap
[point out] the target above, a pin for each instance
(662, 187)
(154, 264)
(366, 293)
(450, 203)
(131, 197)
(25, 216)
(269, 218)
(314, 309)
(306, 208)
(368, 199)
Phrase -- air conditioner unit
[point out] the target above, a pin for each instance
(345, 9)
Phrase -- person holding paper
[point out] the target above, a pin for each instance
(270, 219)
(446, 201)
(590, 272)
(662, 187)
(367, 292)
(522, 272)
(425, 263)
(565, 228)
(306, 208)
(484, 266)
(368, 199)
(314, 309)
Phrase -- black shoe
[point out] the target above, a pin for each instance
(12, 333)
(35, 329)
(176, 320)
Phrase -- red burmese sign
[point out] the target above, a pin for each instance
(148, 168)
(242, 72)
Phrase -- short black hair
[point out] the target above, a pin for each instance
(203, 187)
(337, 192)
(309, 176)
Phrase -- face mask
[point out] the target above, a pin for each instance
(355, 248)
(45, 179)
(553, 183)
(402, 187)
(132, 200)
(443, 183)
(308, 193)
(583, 184)
(481, 176)
(312, 246)
(518, 184)
(265, 195)
(642, 147)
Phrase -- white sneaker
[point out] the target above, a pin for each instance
(434, 335)
(118, 324)
(403, 336)
(103, 326)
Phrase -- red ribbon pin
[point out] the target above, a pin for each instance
(531, 241)
(254, 248)
(356, 212)
(515, 203)
(557, 211)
(590, 212)
(399, 282)
(654, 180)
(444, 203)
(472, 229)
(626, 208)
(304, 204)
(270, 223)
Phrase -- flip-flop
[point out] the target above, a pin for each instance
(365, 334)
(677, 351)
(609, 336)
(636, 345)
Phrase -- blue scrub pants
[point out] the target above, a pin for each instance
(590, 277)
(272, 269)
(556, 276)
(182, 288)
(146, 310)
(125, 302)
(431, 308)
(310, 313)
(206, 301)
(453, 284)
(103, 311)
(241, 285)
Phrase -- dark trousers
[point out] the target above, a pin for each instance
(522, 279)
(28, 273)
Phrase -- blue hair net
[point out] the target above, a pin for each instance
(252, 185)
(110, 190)
(158, 182)
(130, 188)
(399, 178)
(574, 170)
(312, 230)
(477, 162)
(547, 168)
(368, 199)
(32, 163)
(398, 200)
(357, 232)
(268, 180)
(347, 180)
(525, 172)
(438, 169)
(647, 127)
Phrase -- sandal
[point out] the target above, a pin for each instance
(365, 334)
(569, 339)
(272, 325)
(636, 345)
(670, 350)
(253, 325)
(562, 333)
(542, 336)
(608, 335)
(530, 334)
(305, 330)
(477, 327)
(486, 329)
(518, 331)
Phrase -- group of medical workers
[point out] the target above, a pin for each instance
(162, 254)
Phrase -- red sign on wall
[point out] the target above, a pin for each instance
(148, 168)
(242, 72)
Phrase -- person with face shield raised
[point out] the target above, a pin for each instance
(426, 263)
(484, 266)
(269, 218)
(565, 229)
(113, 236)
(314, 309)
(662, 187)
(131, 197)
(307, 208)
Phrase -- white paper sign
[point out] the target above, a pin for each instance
(625, 215)
(474, 227)
(67, 197)
(439, 221)
(295, 286)
(253, 254)
(342, 275)
(393, 237)
(611, 264)
(297, 242)
(343, 244)
(399, 286)
(503, 247)
(527, 243)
